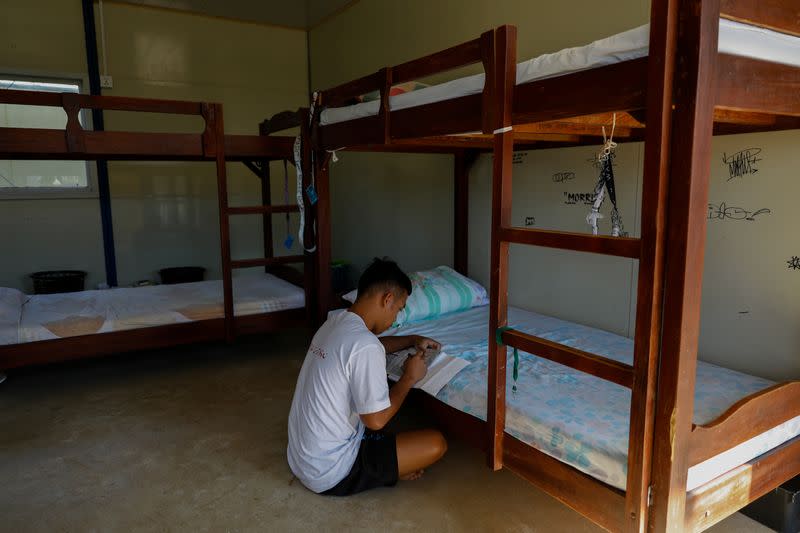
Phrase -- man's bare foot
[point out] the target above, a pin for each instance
(412, 476)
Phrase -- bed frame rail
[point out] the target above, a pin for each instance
(379, 129)
(723, 496)
(747, 418)
(74, 142)
(778, 15)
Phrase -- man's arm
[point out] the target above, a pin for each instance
(401, 342)
(414, 370)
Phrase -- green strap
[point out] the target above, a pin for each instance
(498, 337)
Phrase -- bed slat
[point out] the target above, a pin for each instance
(590, 363)
(579, 242)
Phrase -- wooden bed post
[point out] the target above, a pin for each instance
(661, 66)
(309, 267)
(266, 199)
(462, 163)
(503, 77)
(213, 116)
(323, 218)
(687, 211)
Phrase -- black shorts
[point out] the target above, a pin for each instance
(375, 466)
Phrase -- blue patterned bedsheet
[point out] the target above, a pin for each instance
(572, 416)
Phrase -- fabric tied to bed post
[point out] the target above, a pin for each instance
(606, 183)
(515, 371)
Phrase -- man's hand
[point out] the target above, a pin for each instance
(424, 343)
(414, 369)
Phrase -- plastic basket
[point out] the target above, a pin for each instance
(56, 281)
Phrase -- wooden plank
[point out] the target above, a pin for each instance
(263, 209)
(108, 103)
(505, 72)
(688, 200)
(778, 15)
(214, 119)
(747, 418)
(268, 322)
(146, 146)
(266, 191)
(280, 121)
(361, 131)
(461, 163)
(487, 95)
(617, 87)
(33, 143)
(777, 91)
(596, 365)
(384, 111)
(36, 143)
(341, 94)
(48, 144)
(441, 61)
(309, 238)
(600, 503)
(723, 496)
(650, 295)
(456, 115)
(241, 147)
(37, 98)
(142, 105)
(322, 266)
(579, 242)
(264, 261)
(101, 344)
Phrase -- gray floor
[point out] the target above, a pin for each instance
(193, 439)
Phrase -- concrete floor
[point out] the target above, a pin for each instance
(194, 439)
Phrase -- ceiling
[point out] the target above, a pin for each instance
(302, 14)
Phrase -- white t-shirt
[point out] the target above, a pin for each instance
(343, 376)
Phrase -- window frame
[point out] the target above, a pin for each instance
(54, 193)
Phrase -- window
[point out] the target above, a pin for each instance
(41, 179)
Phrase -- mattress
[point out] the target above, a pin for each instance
(575, 417)
(54, 316)
(735, 38)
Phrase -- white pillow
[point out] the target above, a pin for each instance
(436, 292)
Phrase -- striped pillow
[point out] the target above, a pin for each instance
(436, 292)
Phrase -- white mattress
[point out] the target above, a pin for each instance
(575, 417)
(54, 316)
(735, 38)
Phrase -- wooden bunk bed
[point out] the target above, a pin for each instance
(213, 145)
(674, 98)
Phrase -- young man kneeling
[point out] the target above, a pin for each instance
(342, 400)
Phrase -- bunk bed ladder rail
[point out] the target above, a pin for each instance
(270, 262)
(611, 508)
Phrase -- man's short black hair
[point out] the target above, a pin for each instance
(383, 274)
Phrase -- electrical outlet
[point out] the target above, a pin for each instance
(106, 82)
